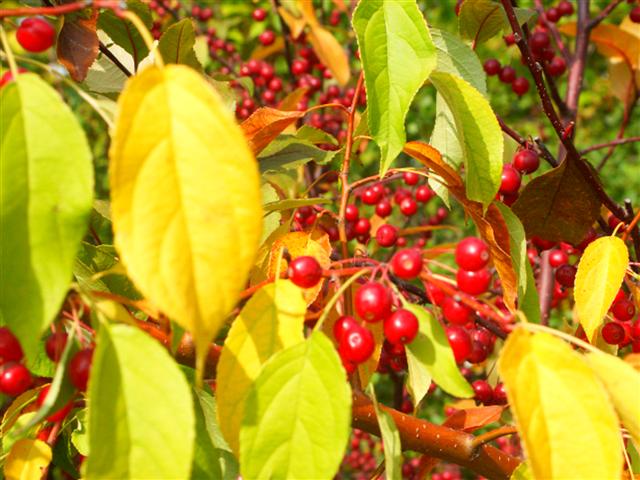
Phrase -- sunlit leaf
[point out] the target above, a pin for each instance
(177, 42)
(265, 124)
(390, 439)
(566, 422)
(122, 31)
(479, 20)
(600, 273)
(27, 460)
(331, 53)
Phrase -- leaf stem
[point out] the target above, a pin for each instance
(60, 9)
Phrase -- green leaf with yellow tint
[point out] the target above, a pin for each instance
(565, 419)
(186, 202)
(622, 381)
(600, 273)
(390, 439)
(398, 56)
(270, 321)
(27, 460)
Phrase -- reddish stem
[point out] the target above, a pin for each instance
(60, 9)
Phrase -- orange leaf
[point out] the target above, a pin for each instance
(330, 53)
(265, 124)
(290, 102)
(296, 24)
(261, 52)
(78, 45)
(491, 225)
(471, 419)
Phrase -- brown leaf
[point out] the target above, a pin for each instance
(78, 45)
(265, 124)
(491, 225)
(330, 53)
(471, 419)
(558, 205)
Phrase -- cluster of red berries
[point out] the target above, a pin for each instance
(623, 331)
(562, 9)
(488, 395)
(362, 456)
(508, 75)
(35, 34)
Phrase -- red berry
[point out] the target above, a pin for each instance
(44, 434)
(371, 196)
(424, 194)
(363, 226)
(558, 258)
(383, 208)
(456, 312)
(520, 86)
(459, 341)
(565, 8)
(436, 296)
(566, 275)
(407, 263)
(472, 254)
(342, 325)
(509, 39)
(634, 15)
(510, 180)
(557, 66)
(387, 235)
(483, 391)
(305, 271)
(473, 282)
(526, 161)
(35, 34)
(492, 67)
(507, 74)
(623, 310)
(55, 345)
(500, 394)
(15, 379)
(10, 349)
(267, 38)
(411, 178)
(408, 206)
(300, 66)
(357, 345)
(373, 302)
(400, 195)
(7, 77)
(539, 41)
(58, 415)
(635, 330)
(479, 352)
(401, 326)
(553, 14)
(351, 214)
(613, 333)
(259, 14)
(80, 367)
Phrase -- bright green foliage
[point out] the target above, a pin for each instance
(176, 44)
(297, 414)
(397, 57)
(430, 351)
(141, 419)
(479, 20)
(390, 439)
(122, 31)
(46, 190)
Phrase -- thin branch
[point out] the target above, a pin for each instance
(60, 9)
(546, 154)
(612, 143)
(107, 53)
(576, 73)
(491, 435)
(595, 21)
(545, 291)
(628, 110)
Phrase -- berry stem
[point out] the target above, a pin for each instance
(330, 304)
(7, 49)
(612, 143)
(546, 286)
(60, 9)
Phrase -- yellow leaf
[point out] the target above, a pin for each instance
(271, 321)
(600, 274)
(567, 424)
(622, 382)
(296, 24)
(186, 203)
(27, 460)
(330, 53)
(612, 42)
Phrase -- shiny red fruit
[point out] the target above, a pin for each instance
(507, 74)
(436, 296)
(15, 379)
(520, 86)
(408, 206)
(553, 14)
(267, 38)
(557, 66)
(357, 345)
(558, 258)
(473, 282)
(526, 161)
(305, 271)
(483, 391)
(472, 254)
(424, 194)
(54, 346)
(351, 213)
(373, 302)
(371, 196)
(456, 312)
(7, 77)
(614, 333)
(10, 349)
(35, 34)
(387, 235)
(623, 309)
(407, 263)
(565, 8)
(384, 208)
(491, 67)
(343, 325)
(510, 182)
(58, 415)
(362, 226)
(459, 341)
(401, 326)
(566, 275)
(411, 178)
(259, 14)
(539, 41)
(80, 367)
(500, 394)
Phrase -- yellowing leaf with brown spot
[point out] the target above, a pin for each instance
(27, 460)
(271, 321)
(622, 382)
(565, 419)
(600, 273)
(185, 192)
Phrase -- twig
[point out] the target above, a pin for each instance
(603, 14)
(612, 143)
(546, 154)
(545, 291)
(60, 9)
(576, 73)
(491, 435)
(107, 53)
(628, 110)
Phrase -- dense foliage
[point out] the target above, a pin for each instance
(319, 239)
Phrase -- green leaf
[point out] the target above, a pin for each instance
(297, 415)
(291, 203)
(80, 437)
(430, 350)
(288, 152)
(479, 134)
(316, 136)
(46, 190)
(456, 57)
(522, 472)
(176, 44)
(141, 425)
(122, 31)
(398, 56)
(390, 439)
(479, 20)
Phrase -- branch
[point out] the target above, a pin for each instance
(612, 143)
(107, 53)
(60, 9)
(546, 154)
(628, 110)
(576, 73)
(545, 291)
(437, 441)
(603, 14)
